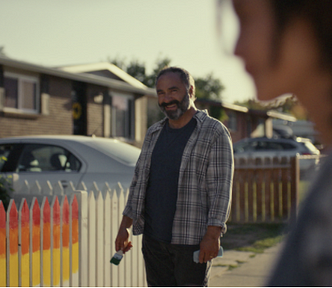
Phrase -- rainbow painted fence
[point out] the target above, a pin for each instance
(66, 240)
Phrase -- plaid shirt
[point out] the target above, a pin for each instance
(205, 181)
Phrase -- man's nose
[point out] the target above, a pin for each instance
(167, 97)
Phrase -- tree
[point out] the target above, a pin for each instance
(207, 87)
(288, 105)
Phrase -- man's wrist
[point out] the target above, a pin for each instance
(213, 232)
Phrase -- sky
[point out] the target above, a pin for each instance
(67, 32)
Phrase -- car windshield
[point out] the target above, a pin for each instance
(123, 152)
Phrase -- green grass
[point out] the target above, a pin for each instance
(252, 237)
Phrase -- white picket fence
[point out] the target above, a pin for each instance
(100, 213)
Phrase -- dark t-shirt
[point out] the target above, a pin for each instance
(162, 190)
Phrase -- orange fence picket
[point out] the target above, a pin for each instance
(45, 243)
(74, 242)
(55, 218)
(12, 245)
(65, 243)
(35, 243)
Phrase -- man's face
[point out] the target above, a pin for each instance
(173, 97)
(274, 73)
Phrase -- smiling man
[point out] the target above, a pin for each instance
(181, 191)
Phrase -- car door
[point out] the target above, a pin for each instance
(30, 162)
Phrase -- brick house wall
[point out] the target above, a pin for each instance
(58, 121)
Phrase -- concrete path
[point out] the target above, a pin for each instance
(243, 269)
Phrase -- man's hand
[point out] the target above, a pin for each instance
(210, 244)
(122, 239)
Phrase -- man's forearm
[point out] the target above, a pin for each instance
(126, 222)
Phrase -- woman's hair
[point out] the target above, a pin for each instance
(185, 77)
(317, 13)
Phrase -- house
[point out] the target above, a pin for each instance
(243, 122)
(36, 100)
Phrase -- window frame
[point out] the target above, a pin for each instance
(21, 78)
(232, 121)
(129, 123)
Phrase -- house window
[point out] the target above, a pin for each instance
(21, 92)
(232, 121)
(122, 121)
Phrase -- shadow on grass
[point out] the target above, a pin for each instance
(253, 237)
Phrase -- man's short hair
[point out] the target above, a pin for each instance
(185, 77)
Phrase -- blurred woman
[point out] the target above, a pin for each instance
(286, 46)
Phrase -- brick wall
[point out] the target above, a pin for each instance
(59, 120)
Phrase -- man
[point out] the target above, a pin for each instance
(181, 191)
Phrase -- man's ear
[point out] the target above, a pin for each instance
(191, 91)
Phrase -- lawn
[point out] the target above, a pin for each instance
(253, 237)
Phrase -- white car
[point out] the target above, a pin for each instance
(277, 147)
(67, 159)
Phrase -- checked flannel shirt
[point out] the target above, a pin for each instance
(205, 181)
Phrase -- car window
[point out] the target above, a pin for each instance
(5, 150)
(41, 158)
(266, 145)
(287, 146)
(243, 147)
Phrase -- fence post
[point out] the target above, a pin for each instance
(295, 178)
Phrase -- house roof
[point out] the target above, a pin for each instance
(261, 113)
(85, 68)
(88, 78)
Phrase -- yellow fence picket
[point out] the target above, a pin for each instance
(12, 245)
(35, 243)
(24, 243)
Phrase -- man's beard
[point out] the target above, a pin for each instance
(183, 106)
